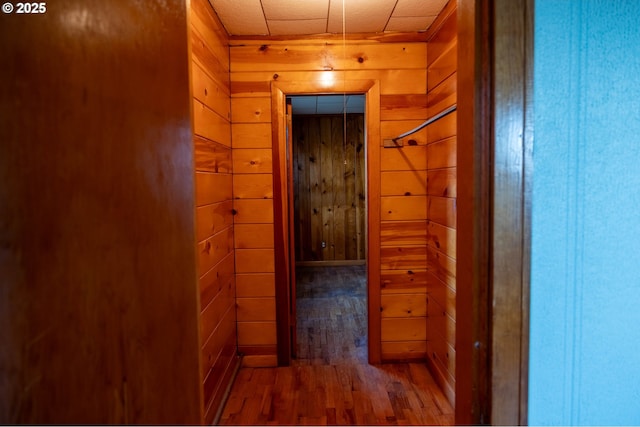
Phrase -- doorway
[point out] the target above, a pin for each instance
(327, 198)
(284, 216)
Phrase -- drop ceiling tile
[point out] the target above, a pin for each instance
(362, 16)
(295, 9)
(414, 8)
(420, 23)
(355, 101)
(309, 26)
(303, 101)
(241, 17)
(330, 99)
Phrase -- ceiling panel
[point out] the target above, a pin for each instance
(406, 23)
(306, 17)
(242, 17)
(327, 104)
(362, 16)
(284, 28)
(289, 10)
(409, 8)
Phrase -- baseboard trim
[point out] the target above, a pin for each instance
(441, 380)
(227, 391)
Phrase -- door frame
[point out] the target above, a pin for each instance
(279, 92)
(495, 167)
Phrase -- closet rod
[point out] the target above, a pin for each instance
(428, 122)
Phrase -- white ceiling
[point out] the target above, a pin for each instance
(327, 104)
(305, 17)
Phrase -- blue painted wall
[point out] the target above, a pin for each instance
(585, 283)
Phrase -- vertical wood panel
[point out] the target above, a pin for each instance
(327, 198)
(338, 143)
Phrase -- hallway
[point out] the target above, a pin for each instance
(330, 383)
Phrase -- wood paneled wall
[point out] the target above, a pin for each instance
(98, 292)
(441, 201)
(329, 182)
(254, 241)
(401, 68)
(214, 204)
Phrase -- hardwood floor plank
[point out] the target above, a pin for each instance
(331, 382)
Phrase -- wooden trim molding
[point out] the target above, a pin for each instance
(279, 91)
(512, 160)
(494, 204)
(473, 232)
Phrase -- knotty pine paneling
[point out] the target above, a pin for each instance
(401, 69)
(254, 261)
(253, 236)
(403, 107)
(253, 186)
(213, 188)
(214, 202)
(407, 281)
(444, 66)
(257, 333)
(256, 309)
(254, 240)
(441, 266)
(253, 211)
(209, 124)
(213, 249)
(442, 238)
(404, 350)
(251, 135)
(404, 329)
(403, 233)
(441, 199)
(211, 156)
(442, 210)
(407, 158)
(251, 110)
(403, 257)
(406, 183)
(328, 181)
(403, 305)
(209, 92)
(256, 285)
(442, 182)
(392, 81)
(442, 96)
(212, 218)
(252, 160)
(408, 208)
(300, 56)
(213, 281)
(391, 129)
(442, 154)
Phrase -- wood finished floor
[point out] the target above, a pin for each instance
(330, 382)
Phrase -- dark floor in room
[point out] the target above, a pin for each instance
(330, 381)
